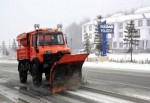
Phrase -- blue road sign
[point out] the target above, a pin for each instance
(104, 29)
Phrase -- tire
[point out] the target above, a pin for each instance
(47, 76)
(22, 72)
(36, 75)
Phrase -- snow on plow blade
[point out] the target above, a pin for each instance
(67, 73)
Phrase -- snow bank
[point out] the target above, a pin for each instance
(122, 66)
(92, 56)
(119, 66)
(137, 57)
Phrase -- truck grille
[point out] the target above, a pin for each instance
(53, 57)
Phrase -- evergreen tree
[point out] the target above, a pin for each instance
(14, 46)
(87, 44)
(3, 47)
(99, 37)
(131, 37)
(4, 50)
(7, 53)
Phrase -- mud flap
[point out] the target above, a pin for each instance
(67, 72)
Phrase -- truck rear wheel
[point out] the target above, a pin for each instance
(36, 75)
(22, 72)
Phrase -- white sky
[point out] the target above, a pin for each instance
(18, 16)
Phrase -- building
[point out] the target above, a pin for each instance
(141, 19)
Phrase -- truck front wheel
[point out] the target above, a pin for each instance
(36, 75)
(22, 72)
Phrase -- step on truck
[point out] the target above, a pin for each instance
(44, 51)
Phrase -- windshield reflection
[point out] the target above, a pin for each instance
(50, 39)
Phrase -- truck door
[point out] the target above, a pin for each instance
(33, 47)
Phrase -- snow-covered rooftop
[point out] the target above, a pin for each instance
(121, 17)
(117, 15)
(142, 10)
(89, 23)
(147, 15)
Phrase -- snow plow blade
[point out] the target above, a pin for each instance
(67, 72)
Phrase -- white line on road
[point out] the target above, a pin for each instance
(98, 97)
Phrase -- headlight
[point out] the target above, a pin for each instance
(48, 52)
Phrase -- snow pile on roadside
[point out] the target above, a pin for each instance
(118, 66)
(92, 56)
(125, 56)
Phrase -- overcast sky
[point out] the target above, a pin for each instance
(18, 16)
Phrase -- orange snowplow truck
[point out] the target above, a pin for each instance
(45, 51)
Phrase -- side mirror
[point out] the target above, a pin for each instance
(36, 37)
(66, 40)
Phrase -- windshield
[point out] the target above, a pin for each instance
(50, 39)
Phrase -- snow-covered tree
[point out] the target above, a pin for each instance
(98, 36)
(3, 49)
(87, 44)
(14, 46)
(98, 40)
(131, 37)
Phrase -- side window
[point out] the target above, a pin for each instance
(148, 22)
(121, 34)
(60, 39)
(115, 44)
(140, 23)
(28, 39)
(84, 29)
(90, 28)
(40, 39)
(33, 40)
(121, 25)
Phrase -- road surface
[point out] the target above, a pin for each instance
(101, 85)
